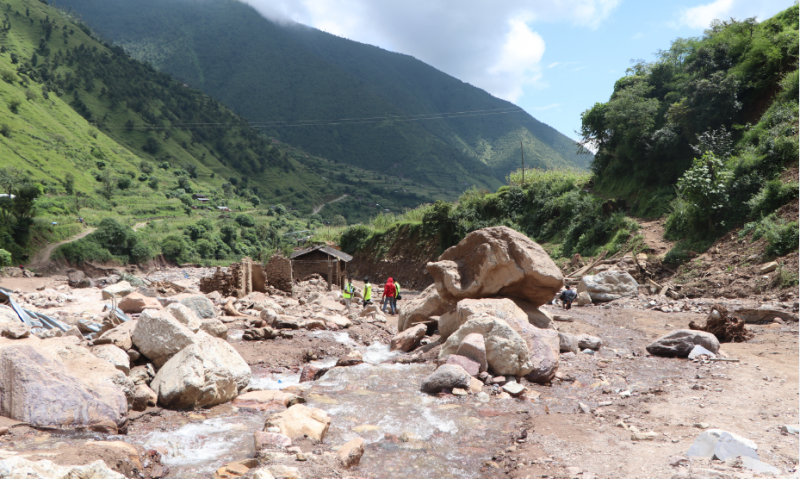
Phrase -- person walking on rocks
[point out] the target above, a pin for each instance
(367, 292)
(567, 297)
(348, 293)
(389, 296)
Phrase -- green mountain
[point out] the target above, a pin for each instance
(101, 135)
(287, 74)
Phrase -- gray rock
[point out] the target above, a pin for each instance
(119, 290)
(448, 376)
(474, 347)
(608, 286)
(586, 341)
(215, 328)
(698, 351)
(514, 388)
(202, 306)
(160, 336)
(764, 314)
(681, 342)
(706, 445)
(568, 343)
(757, 466)
(789, 429)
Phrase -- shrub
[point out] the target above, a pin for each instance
(123, 183)
(354, 238)
(13, 106)
(205, 248)
(229, 234)
(245, 220)
(153, 183)
(5, 258)
(174, 248)
(5, 130)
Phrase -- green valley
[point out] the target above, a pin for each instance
(303, 85)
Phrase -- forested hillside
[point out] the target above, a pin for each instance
(705, 137)
(87, 131)
(285, 75)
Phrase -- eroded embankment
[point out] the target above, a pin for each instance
(401, 252)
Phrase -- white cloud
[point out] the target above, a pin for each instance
(492, 45)
(701, 16)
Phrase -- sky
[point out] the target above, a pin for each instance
(553, 58)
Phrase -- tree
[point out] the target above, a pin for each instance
(339, 220)
(229, 234)
(151, 145)
(107, 185)
(10, 178)
(69, 183)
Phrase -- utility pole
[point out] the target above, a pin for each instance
(522, 162)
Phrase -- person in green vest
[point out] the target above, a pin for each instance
(367, 292)
(348, 293)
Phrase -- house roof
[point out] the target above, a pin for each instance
(325, 249)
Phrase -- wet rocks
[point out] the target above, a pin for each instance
(159, 336)
(299, 421)
(205, 373)
(496, 261)
(679, 343)
(446, 377)
(409, 339)
(265, 441)
(474, 347)
(350, 453)
(266, 400)
(353, 358)
(470, 366)
(608, 286)
(421, 309)
(312, 373)
(119, 290)
(40, 391)
(506, 351)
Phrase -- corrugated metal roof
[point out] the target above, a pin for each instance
(325, 249)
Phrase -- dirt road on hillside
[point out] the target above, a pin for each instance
(317, 209)
(42, 257)
(653, 232)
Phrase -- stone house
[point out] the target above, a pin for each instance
(330, 263)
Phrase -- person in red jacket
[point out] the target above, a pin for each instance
(389, 296)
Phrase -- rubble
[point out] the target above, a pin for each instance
(727, 328)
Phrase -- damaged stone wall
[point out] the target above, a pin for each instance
(240, 280)
(279, 273)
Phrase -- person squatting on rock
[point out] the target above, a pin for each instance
(389, 296)
(367, 292)
(567, 296)
(348, 293)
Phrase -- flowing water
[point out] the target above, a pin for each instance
(408, 434)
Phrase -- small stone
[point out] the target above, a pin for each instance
(350, 453)
(768, 267)
(499, 380)
(676, 461)
(701, 425)
(756, 465)
(584, 408)
(588, 351)
(459, 392)
(643, 436)
(789, 429)
(698, 351)
(514, 388)
(573, 471)
(625, 394)
(482, 397)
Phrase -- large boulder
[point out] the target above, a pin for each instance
(299, 421)
(496, 261)
(185, 316)
(99, 375)
(474, 347)
(422, 308)
(20, 467)
(38, 390)
(502, 308)
(544, 346)
(506, 351)
(448, 376)
(608, 286)
(679, 343)
(135, 303)
(409, 339)
(119, 336)
(205, 373)
(119, 290)
(159, 336)
(114, 355)
(538, 317)
(202, 306)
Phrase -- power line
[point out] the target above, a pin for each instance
(341, 121)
